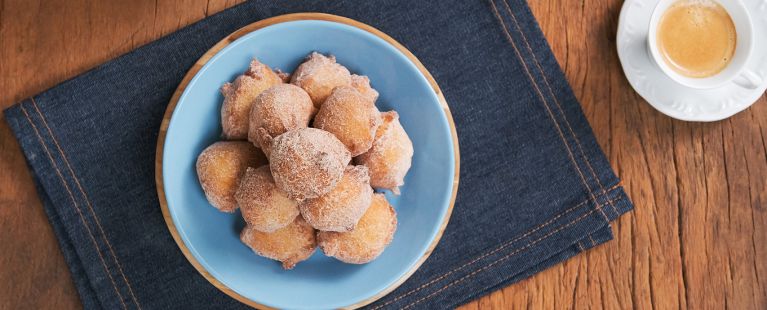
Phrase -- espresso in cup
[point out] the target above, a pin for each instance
(696, 38)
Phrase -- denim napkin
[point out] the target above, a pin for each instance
(535, 187)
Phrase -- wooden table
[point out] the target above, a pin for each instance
(697, 237)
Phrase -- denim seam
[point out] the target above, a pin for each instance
(470, 297)
(556, 101)
(74, 203)
(87, 201)
(499, 260)
(593, 243)
(546, 105)
(497, 249)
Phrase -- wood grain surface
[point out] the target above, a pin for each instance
(696, 239)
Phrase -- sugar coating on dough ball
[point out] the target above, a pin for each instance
(362, 84)
(389, 159)
(239, 96)
(280, 108)
(367, 241)
(351, 117)
(290, 245)
(284, 76)
(307, 162)
(220, 167)
(264, 206)
(341, 208)
(318, 75)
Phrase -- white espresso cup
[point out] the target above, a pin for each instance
(735, 71)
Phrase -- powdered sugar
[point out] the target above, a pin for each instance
(374, 232)
(239, 96)
(351, 117)
(280, 108)
(362, 84)
(264, 206)
(390, 156)
(220, 167)
(290, 245)
(341, 208)
(307, 162)
(318, 75)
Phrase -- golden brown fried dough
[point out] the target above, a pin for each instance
(362, 84)
(351, 117)
(368, 240)
(318, 75)
(307, 162)
(290, 245)
(284, 76)
(341, 208)
(390, 156)
(264, 206)
(239, 96)
(278, 109)
(220, 167)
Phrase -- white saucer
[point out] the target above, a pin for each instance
(676, 100)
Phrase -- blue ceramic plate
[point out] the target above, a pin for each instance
(210, 238)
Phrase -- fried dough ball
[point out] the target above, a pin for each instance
(390, 156)
(351, 117)
(239, 96)
(365, 243)
(220, 167)
(290, 245)
(318, 75)
(284, 76)
(341, 208)
(264, 207)
(362, 84)
(278, 109)
(307, 162)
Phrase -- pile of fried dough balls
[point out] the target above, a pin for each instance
(301, 158)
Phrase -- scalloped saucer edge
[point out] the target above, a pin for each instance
(674, 99)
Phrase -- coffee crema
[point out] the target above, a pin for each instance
(697, 38)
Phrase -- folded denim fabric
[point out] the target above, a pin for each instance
(535, 187)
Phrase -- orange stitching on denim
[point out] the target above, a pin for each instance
(74, 202)
(96, 218)
(545, 104)
(580, 246)
(598, 208)
(499, 248)
(556, 101)
(593, 243)
(502, 258)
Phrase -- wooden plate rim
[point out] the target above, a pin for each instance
(231, 38)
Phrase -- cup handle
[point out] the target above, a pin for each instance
(748, 79)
